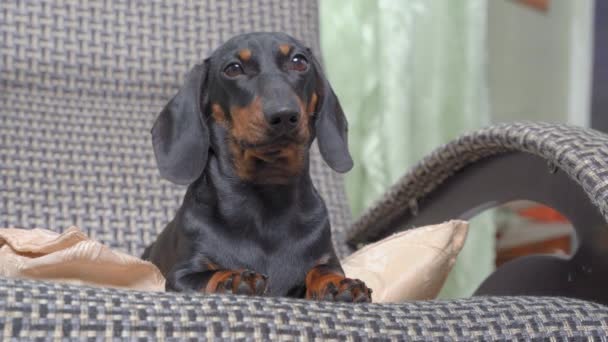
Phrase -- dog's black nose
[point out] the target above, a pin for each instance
(283, 121)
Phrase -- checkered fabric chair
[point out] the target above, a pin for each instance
(80, 85)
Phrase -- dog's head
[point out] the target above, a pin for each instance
(268, 96)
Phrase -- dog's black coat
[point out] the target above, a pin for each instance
(275, 225)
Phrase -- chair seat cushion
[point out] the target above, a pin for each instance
(32, 308)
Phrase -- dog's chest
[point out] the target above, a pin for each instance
(287, 271)
(284, 258)
(281, 235)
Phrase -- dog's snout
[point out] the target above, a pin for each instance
(281, 104)
(283, 120)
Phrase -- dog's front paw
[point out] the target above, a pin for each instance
(243, 282)
(341, 290)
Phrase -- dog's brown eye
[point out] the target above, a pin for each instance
(299, 63)
(233, 70)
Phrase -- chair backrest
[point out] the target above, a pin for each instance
(81, 83)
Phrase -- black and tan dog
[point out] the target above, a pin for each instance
(238, 132)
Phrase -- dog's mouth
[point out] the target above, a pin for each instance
(262, 157)
(274, 161)
(267, 155)
(273, 154)
(276, 165)
(272, 144)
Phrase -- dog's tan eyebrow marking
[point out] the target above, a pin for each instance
(218, 114)
(285, 48)
(245, 54)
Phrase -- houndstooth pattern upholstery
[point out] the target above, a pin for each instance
(118, 314)
(579, 152)
(80, 86)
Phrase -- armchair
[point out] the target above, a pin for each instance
(80, 85)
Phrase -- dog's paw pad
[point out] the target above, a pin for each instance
(346, 290)
(244, 282)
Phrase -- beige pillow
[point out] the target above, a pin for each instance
(72, 257)
(411, 265)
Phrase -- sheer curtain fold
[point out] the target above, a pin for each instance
(410, 76)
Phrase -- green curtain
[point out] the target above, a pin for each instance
(410, 76)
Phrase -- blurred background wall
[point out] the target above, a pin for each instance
(410, 76)
(413, 74)
(539, 62)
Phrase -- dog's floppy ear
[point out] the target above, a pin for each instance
(180, 135)
(331, 125)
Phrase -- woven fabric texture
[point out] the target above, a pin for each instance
(81, 83)
(579, 152)
(121, 314)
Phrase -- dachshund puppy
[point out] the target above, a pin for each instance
(238, 133)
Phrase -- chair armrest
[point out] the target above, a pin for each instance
(582, 154)
(561, 166)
